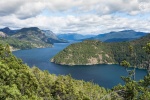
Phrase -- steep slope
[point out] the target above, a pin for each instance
(52, 38)
(50, 34)
(139, 56)
(84, 53)
(27, 38)
(33, 35)
(120, 36)
(95, 52)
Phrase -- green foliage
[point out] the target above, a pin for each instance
(19, 82)
(85, 53)
(147, 48)
(81, 53)
(24, 44)
(125, 63)
(133, 90)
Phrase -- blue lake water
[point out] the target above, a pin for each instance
(104, 75)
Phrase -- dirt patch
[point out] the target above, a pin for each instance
(92, 61)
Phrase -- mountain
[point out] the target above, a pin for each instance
(125, 35)
(90, 52)
(32, 37)
(50, 34)
(8, 31)
(119, 39)
(84, 53)
(52, 38)
(73, 36)
(26, 38)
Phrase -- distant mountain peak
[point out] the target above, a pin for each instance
(6, 28)
(128, 31)
(8, 31)
(33, 29)
(30, 28)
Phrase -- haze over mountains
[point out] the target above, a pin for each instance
(125, 35)
(74, 36)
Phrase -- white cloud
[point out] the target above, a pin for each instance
(81, 16)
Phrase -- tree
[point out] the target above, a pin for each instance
(133, 56)
(147, 50)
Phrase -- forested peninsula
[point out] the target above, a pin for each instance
(90, 52)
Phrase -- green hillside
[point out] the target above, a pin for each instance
(85, 53)
(34, 36)
(95, 52)
(26, 38)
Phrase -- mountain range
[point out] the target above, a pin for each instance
(125, 35)
(34, 37)
(74, 36)
(27, 38)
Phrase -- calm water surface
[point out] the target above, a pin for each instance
(104, 75)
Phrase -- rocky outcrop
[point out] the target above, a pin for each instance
(2, 34)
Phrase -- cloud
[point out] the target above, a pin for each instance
(32, 8)
(79, 16)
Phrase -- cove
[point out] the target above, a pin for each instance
(103, 75)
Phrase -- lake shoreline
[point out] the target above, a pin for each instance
(104, 75)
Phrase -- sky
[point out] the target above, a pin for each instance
(76, 16)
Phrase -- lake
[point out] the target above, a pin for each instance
(104, 75)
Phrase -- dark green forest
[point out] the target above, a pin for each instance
(84, 53)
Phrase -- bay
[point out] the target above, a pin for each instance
(103, 75)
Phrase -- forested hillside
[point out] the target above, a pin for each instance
(27, 38)
(85, 53)
(96, 52)
(19, 82)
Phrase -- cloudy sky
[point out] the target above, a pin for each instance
(76, 16)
